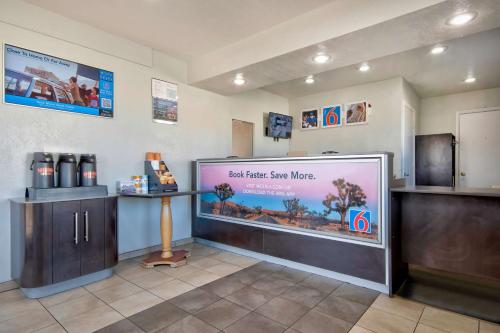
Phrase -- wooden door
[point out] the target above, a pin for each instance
(242, 142)
(92, 237)
(67, 227)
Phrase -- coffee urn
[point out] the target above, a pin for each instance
(87, 170)
(66, 170)
(43, 170)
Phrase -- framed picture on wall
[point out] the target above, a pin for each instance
(331, 116)
(309, 119)
(355, 113)
(164, 96)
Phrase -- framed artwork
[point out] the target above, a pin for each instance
(309, 119)
(331, 116)
(164, 96)
(355, 113)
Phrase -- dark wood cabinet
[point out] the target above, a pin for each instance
(61, 240)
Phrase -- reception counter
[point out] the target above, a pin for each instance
(326, 214)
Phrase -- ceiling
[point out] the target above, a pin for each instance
(183, 28)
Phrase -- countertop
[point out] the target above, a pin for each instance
(37, 201)
(484, 192)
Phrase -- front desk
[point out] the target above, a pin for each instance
(325, 214)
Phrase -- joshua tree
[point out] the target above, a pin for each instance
(292, 207)
(223, 191)
(349, 195)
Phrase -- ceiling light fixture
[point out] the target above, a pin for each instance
(470, 79)
(461, 19)
(438, 49)
(309, 79)
(239, 80)
(364, 68)
(322, 58)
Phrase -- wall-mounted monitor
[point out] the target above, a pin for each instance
(279, 125)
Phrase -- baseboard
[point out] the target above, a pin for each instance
(141, 252)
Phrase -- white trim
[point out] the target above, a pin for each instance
(457, 136)
(292, 264)
(405, 104)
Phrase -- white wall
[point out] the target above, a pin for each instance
(382, 133)
(204, 128)
(438, 114)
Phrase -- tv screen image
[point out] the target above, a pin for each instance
(280, 125)
(40, 80)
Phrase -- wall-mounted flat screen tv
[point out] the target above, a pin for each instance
(279, 125)
(40, 80)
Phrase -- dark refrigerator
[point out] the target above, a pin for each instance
(435, 160)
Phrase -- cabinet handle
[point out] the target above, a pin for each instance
(86, 224)
(76, 228)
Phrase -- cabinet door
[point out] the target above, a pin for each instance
(92, 255)
(67, 227)
(111, 232)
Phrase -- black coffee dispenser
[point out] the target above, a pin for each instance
(66, 170)
(43, 170)
(87, 170)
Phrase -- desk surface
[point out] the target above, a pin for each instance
(151, 195)
(485, 192)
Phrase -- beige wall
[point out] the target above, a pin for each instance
(204, 128)
(382, 133)
(438, 114)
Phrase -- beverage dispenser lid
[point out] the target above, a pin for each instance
(68, 158)
(43, 157)
(90, 158)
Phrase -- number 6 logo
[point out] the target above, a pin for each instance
(360, 221)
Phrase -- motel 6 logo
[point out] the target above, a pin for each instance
(331, 116)
(360, 220)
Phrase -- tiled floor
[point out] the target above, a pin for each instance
(220, 291)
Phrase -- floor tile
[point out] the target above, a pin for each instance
(131, 270)
(282, 310)
(267, 266)
(342, 308)
(135, 303)
(157, 317)
(321, 283)
(54, 328)
(189, 324)
(204, 262)
(307, 296)
(177, 272)
(203, 251)
(249, 298)
(255, 323)
(421, 328)
(151, 279)
(272, 286)
(75, 307)
(290, 274)
(399, 306)
(106, 283)
(200, 278)
(195, 300)
(15, 304)
(92, 320)
(359, 329)
(30, 321)
(222, 314)
(122, 326)
(379, 321)
(250, 275)
(224, 287)
(63, 297)
(171, 289)
(356, 294)
(486, 327)
(8, 285)
(291, 330)
(114, 293)
(449, 321)
(317, 322)
(223, 269)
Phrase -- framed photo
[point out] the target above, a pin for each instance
(331, 116)
(164, 96)
(355, 113)
(43, 81)
(309, 119)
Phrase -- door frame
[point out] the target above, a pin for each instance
(404, 105)
(253, 134)
(457, 136)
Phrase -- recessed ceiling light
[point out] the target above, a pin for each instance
(309, 79)
(438, 49)
(321, 58)
(470, 79)
(364, 68)
(239, 80)
(461, 19)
